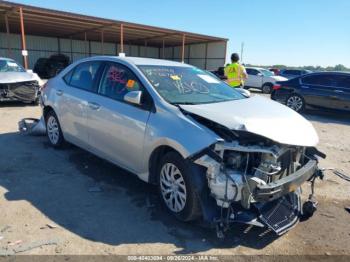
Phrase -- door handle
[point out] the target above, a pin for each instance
(338, 91)
(94, 105)
(59, 92)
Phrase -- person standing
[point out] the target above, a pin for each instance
(235, 72)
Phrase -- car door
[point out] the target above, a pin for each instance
(255, 78)
(320, 90)
(343, 91)
(117, 128)
(73, 100)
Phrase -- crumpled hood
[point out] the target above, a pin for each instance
(13, 77)
(260, 116)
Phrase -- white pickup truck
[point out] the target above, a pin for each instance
(261, 78)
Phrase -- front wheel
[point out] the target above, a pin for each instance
(53, 130)
(296, 102)
(175, 188)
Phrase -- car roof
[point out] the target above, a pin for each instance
(257, 68)
(6, 59)
(330, 72)
(142, 61)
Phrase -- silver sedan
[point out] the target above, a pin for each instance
(215, 152)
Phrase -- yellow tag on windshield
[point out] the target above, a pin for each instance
(175, 77)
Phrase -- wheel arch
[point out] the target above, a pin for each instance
(154, 159)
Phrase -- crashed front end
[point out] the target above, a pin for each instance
(24, 91)
(257, 181)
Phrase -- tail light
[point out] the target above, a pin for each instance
(276, 86)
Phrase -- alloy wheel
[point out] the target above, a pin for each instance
(295, 103)
(173, 187)
(53, 131)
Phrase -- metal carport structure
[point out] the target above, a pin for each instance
(41, 32)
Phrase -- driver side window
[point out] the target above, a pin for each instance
(117, 80)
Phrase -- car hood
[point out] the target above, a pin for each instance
(279, 78)
(260, 116)
(13, 77)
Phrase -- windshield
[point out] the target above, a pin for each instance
(188, 85)
(267, 72)
(10, 66)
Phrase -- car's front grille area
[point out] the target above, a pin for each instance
(281, 214)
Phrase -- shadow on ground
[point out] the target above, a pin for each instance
(101, 202)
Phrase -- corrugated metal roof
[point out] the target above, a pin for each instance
(48, 22)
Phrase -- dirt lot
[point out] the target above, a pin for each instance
(76, 203)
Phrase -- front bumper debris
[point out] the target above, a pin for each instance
(285, 185)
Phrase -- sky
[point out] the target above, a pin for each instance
(293, 33)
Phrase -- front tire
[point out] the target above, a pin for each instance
(296, 102)
(53, 130)
(176, 189)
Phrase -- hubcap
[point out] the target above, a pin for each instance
(173, 187)
(295, 103)
(266, 89)
(52, 130)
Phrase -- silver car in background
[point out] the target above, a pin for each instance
(214, 153)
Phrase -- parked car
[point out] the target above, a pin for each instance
(262, 79)
(291, 73)
(220, 73)
(49, 67)
(17, 84)
(214, 154)
(329, 90)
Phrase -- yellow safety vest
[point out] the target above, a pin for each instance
(234, 73)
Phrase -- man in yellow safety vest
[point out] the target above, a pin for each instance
(235, 72)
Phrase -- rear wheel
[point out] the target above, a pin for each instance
(266, 88)
(296, 102)
(53, 130)
(175, 188)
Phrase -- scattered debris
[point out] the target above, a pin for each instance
(15, 243)
(327, 215)
(341, 175)
(7, 227)
(32, 126)
(58, 249)
(95, 189)
(30, 246)
(347, 209)
(1, 237)
(51, 226)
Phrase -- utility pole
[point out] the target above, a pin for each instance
(242, 49)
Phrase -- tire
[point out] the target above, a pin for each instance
(53, 130)
(296, 102)
(176, 189)
(266, 88)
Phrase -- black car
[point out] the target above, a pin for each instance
(323, 90)
(291, 73)
(50, 67)
(220, 73)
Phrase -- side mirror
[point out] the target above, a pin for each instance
(133, 97)
(260, 74)
(244, 92)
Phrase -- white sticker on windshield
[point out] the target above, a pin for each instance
(209, 79)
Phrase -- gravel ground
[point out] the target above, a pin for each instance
(71, 202)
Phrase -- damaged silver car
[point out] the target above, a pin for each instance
(18, 84)
(214, 152)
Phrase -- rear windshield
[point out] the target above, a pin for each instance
(188, 85)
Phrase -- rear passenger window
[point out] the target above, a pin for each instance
(320, 80)
(84, 75)
(343, 81)
(118, 80)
